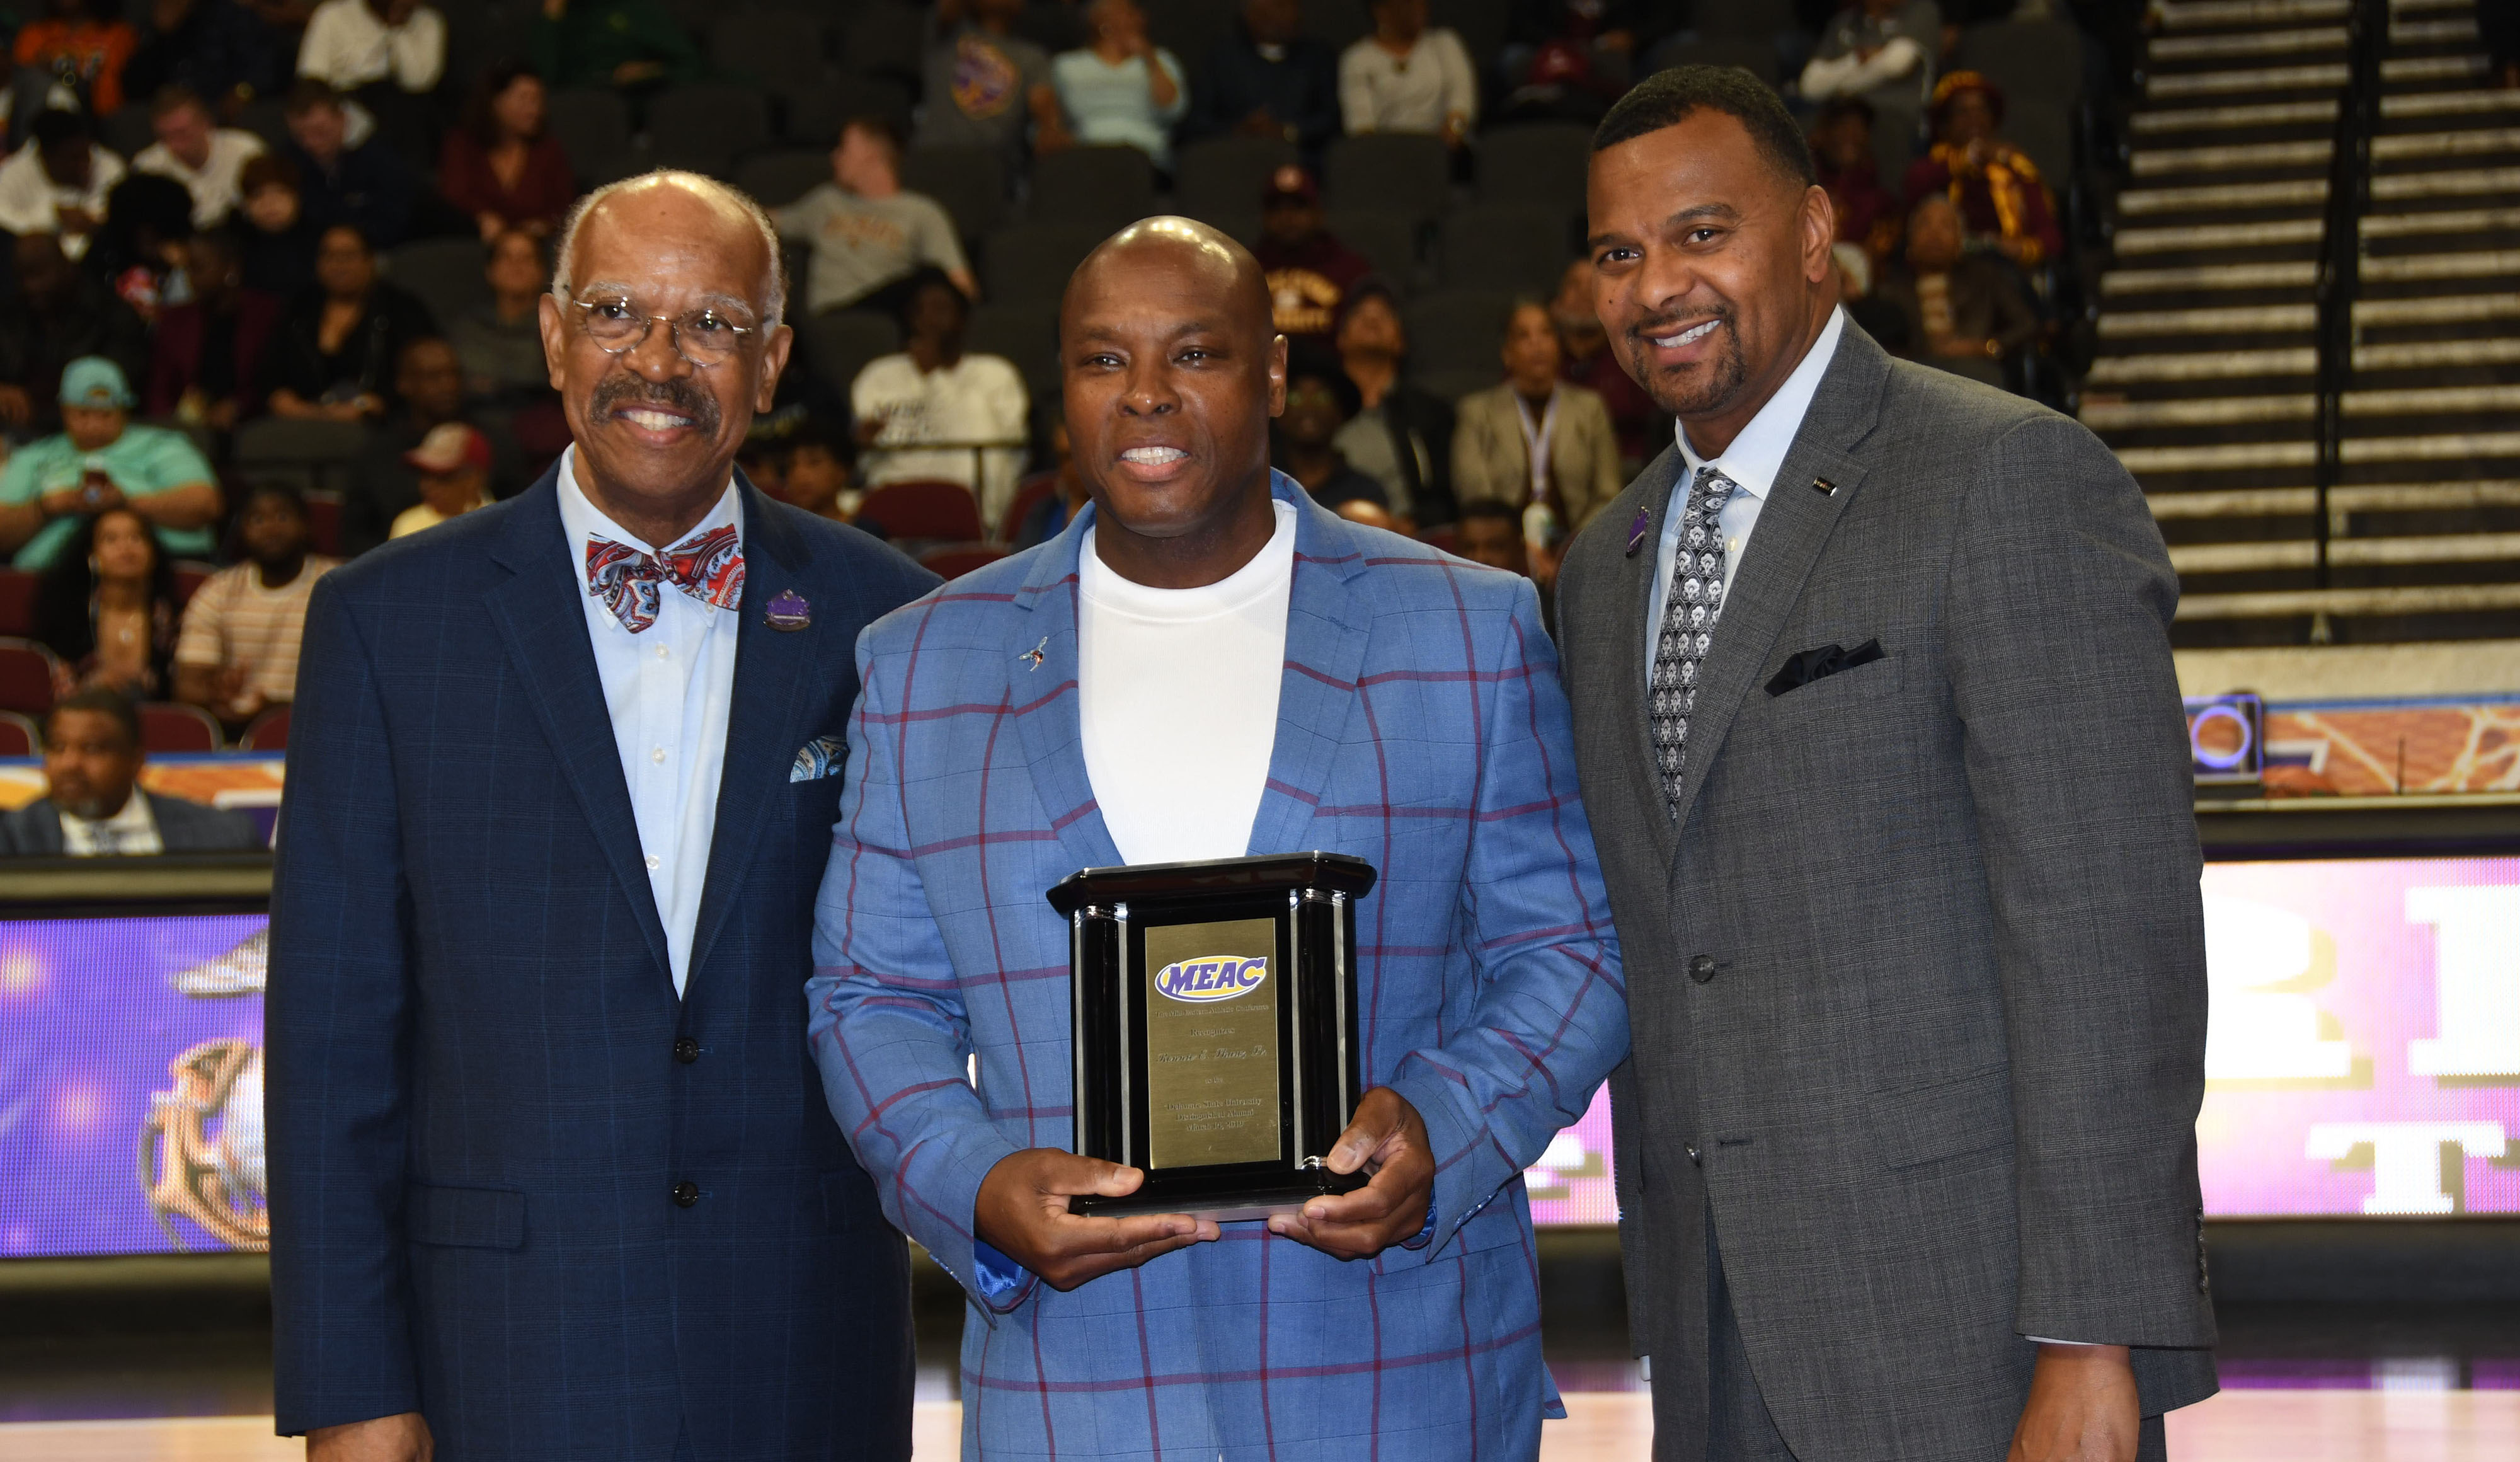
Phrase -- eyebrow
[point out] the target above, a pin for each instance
(1718, 212)
(711, 300)
(1090, 331)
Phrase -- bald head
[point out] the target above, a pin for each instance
(1172, 370)
(683, 201)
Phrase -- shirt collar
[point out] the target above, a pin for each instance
(134, 818)
(1755, 456)
(582, 520)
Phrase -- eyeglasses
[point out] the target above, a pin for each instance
(704, 336)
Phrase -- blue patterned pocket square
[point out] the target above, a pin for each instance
(821, 758)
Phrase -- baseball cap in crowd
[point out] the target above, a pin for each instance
(1290, 184)
(95, 383)
(450, 447)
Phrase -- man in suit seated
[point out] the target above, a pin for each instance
(92, 806)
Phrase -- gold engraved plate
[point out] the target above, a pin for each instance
(1212, 1002)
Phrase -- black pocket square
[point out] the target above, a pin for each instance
(1813, 664)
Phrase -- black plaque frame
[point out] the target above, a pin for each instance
(1311, 898)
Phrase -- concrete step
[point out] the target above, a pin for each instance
(2277, 276)
(2201, 15)
(2236, 456)
(2437, 310)
(2212, 411)
(2234, 45)
(2475, 264)
(2438, 355)
(2303, 502)
(2150, 162)
(2207, 365)
(2300, 192)
(2219, 119)
(2322, 78)
(2411, 69)
(2432, 401)
(2446, 221)
(2465, 182)
(2244, 319)
(2301, 553)
(2428, 104)
(2444, 599)
(2458, 32)
(2409, 147)
(2181, 238)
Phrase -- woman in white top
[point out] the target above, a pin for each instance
(352, 43)
(1121, 88)
(1405, 77)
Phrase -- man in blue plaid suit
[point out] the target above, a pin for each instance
(1093, 701)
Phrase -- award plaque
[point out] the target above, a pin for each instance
(1214, 1019)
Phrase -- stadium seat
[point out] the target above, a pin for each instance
(778, 178)
(970, 182)
(1387, 238)
(17, 602)
(592, 127)
(1031, 262)
(953, 562)
(1340, 24)
(264, 117)
(1027, 333)
(1225, 175)
(128, 130)
(706, 127)
(1748, 19)
(324, 522)
(20, 736)
(1535, 163)
(1456, 329)
(27, 673)
(1757, 55)
(1028, 495)
(312, 455)
(1518, 248)
(780, 49)
(814, 113)
(1393, 170)
(445, 273)
(1190, 28)
(839, 343)
(268, 733)
(172, 727)
(189, 577)
(1102, 186)
(884, 38)
(922, 509)
(1482, 23)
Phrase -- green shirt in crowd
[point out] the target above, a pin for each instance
(144, 461)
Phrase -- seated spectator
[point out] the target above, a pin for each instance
(1966, 312)
(985, 84)
(1882, 51)
(146, 243)
(631, 45)
(206, 356)
(1841, 140)
(1319, 403)
(816, 475)
(209, 160)
(82, 48)
(1308, 271)
(1406, 77)
(935, 412)
(107, 606)
(1569, 59)
(100, 462)
(500, 167)
(92, 805)
(238, 655)
(368, 186)
(1267, 79)
(1995, 187)
(1400, 435)
(352, 43)
(453, 463)
(1121, 88)
(277, 246)
(1885, 322)
(869, 234)
(1490, 532)
(332, 355)
(216, 49)
(383, 484)
(500, 344)
(1584, 357)
(57, 183)
(1537, 441)
(1052, 513)
(56, 314)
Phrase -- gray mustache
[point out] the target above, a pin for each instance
(618, 393)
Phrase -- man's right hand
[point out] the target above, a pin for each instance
(401, 1438)
(1022, 1213)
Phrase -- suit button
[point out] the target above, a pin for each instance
(686, 1194)
(686, 1050)
(1695, 1161)
(1702, 968)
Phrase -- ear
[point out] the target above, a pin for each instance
(1277, 375)
(773, 361)
(1818, 225)
(555, 331)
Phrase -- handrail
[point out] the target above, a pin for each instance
(2340, 259)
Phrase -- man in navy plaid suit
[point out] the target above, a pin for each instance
(550, 1179)
(1206, 663)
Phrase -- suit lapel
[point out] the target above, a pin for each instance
(1794, 525)
(1629, 668)
(773, 669)
(1039, 664)
(1326, 641)
(543, 622)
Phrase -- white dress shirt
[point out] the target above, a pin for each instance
(669, 689)
(1752, 462)
(213, 185)
(1177, 694)
(30, 201)
(351, 45)
(130, 832)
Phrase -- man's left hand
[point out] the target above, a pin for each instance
(1387, 1139)
(2082, 1408)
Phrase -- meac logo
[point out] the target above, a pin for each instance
(1210, 978)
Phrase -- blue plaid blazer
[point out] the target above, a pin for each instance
(484, 1093)
(1420, 726)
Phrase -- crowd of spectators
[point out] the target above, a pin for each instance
(233, 216)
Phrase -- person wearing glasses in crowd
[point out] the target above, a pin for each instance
(548, 1172)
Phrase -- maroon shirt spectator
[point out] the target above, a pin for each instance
(1841, 139)
(205, 360)
(501, 167)
(1308, 271)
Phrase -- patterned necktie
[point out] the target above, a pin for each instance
(709, 566)
(1688, 627)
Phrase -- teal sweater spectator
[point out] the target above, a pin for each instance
(143, 461)
(1108, 103)
(611, 44)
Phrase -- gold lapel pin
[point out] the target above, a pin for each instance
(1824, 486)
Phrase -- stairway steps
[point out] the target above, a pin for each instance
(2462, 183)
(2210, 411)
(2244, 319)
(2474, 264)
(2303, 502)
(2325, 78)
(2440, 599)
(2438, 355)
(2300, 192)
(2441, 309)
(2405, 70)
(2248, 155)
(2301, 553)
(2460, 32)
(2182, 238)
(2309, 40)
(2426, 106)
(2207, 365)
(2200, 15)
(2261, 276)
(2445, 221)
(2409, 146)
(2173, 121)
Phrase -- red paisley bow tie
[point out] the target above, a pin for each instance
(709, 566)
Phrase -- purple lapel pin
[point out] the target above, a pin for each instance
(1637, 527)
(787, 610)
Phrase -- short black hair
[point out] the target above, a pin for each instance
(104, 701)
(286, 494)
(1667, 97)
(56, 126)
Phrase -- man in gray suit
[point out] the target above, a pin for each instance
(1876, 719)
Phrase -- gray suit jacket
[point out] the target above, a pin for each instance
(1918, 982)
(34, 830)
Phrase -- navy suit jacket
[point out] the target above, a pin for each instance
(34, 830)
(485, 1100)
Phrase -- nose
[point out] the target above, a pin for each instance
(1149, 389)
(658, 355)
(1664, 282)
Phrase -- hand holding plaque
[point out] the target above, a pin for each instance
(1024, 1212)
(1387, 1138)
